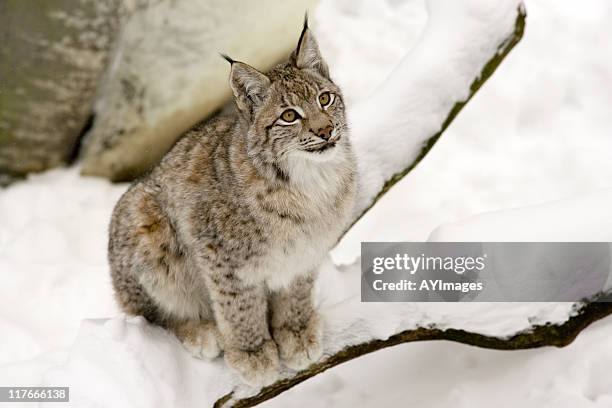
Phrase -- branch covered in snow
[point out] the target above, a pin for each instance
(398, 125)
(558, 335)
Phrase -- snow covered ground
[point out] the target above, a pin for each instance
(540, 130)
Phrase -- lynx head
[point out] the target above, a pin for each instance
(293, 112)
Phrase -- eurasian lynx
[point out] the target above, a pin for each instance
(221, 241)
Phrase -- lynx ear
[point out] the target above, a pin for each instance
(248, 84)
(307, 54)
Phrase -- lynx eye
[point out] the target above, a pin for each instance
(325, 99)
(290, 115)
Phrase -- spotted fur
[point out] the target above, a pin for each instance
(220, 242)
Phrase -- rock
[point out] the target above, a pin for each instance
(52, 55)
(167, 74)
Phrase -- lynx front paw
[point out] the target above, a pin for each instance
(202, 340)
(257, 368)
(298, 349)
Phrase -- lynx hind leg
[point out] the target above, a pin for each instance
(133, 300)
(125, 250)
(153, 277)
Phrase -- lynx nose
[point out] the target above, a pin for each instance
(326, 132)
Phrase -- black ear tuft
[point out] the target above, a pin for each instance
(227, 58)
(307, 54)
(304, 29)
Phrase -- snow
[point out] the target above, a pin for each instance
(53, 260)
(586, 218)
(537, 132)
